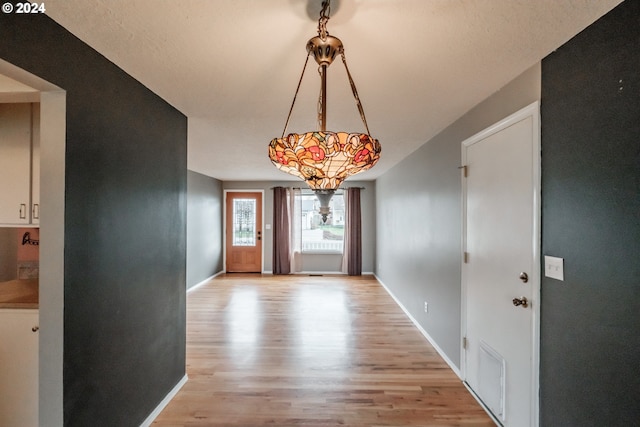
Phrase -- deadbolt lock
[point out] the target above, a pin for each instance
(521, 302)
(524, 277)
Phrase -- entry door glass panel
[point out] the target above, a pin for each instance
(244, 222)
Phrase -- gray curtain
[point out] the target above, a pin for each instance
(281, 252)
(352, 257)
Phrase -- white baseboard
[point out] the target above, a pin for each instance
(151, 418)
(321, 273)
(486, 409)
(442, 354)
(364, 273)
(197, 285)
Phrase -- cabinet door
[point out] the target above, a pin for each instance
(35, 166)
(18, 368)
(15, 163)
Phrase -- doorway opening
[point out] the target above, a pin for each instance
(52, 130)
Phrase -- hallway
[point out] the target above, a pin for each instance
(312, 351)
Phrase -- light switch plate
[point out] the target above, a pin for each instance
(554, 267)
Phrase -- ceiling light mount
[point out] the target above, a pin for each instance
(324, 47)
(325, 50)
(323, 158)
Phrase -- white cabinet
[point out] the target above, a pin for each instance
(35, 165)
(19, 203)
(19, 367)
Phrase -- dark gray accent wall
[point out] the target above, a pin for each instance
(590, 322)
(419, 217)
(125, 223)
(204, 227)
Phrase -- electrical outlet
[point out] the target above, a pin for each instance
(426, 307)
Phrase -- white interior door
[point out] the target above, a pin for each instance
(500, 272)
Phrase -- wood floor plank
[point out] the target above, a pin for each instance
(326, 351)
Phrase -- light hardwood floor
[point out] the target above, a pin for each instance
(284, 351)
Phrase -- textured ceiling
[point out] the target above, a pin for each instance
(232, 66)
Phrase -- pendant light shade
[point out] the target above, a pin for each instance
(324, 159)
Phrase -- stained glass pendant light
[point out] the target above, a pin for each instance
(324, 158)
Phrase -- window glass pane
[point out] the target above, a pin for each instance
(244, 222)
(316, 236)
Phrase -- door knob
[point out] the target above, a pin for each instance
(524, 277)
(521, 301)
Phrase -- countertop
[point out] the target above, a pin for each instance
(19, 294)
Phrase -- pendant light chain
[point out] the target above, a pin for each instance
(286, 125)
(320, 101)
(355, 94)
(324, 18)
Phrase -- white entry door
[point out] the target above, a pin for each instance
(500, 272)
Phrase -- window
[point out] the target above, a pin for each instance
(244, 222)
(310, 233)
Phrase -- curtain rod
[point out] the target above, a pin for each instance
(299, 188)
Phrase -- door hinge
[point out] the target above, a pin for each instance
(465, 170)
(464, 343)
(466, 257)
